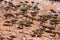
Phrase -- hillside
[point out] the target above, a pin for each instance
(29, 20)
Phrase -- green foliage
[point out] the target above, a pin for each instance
(22, 22)
(23, 9)
(13, 36)
(34, 13)
(51, 27)
(7, 8)
(28, 23)
(38, 32)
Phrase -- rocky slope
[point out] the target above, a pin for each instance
(25, 24)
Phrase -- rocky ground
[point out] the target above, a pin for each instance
(20, 10)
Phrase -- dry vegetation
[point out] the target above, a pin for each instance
(26, 22)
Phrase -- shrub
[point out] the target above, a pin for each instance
(12, 36)
(38, 32)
